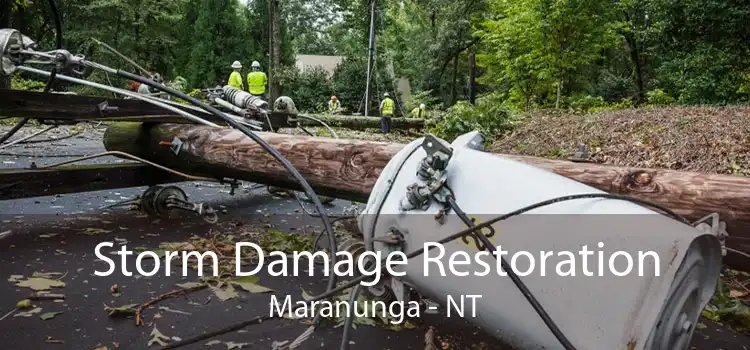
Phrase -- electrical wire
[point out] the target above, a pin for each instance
(476, 230)
(132, 157)
(275, 153)
(121, 91)
(21, 140)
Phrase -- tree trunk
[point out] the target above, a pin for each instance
(455, 78)
(275, 19)
(4, 23)
(349, 168)
(362, 123)
(472, 77)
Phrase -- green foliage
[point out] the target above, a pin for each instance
(19, 83)
(726, 305)
(489, 116)
(658, 97)
(310, 89)
(430, 101)
(585, 103)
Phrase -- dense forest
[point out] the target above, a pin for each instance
(480, 58)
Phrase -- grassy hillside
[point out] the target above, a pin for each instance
(704, 139)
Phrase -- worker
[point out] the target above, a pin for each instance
(418, 112)
(235, 79)
(386, 113)
(334, 105)
(256, 81)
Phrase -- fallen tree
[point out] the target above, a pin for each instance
(361, 123)
(348, 169)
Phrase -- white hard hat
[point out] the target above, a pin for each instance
(421, 106)
(256, 64)
(236, 64)
(385, 94)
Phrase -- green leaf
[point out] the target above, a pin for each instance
(123, 310)
(225, 291)
(37, 284)
(248, 283)
(232, 345)
(190, 285)
(212, 343)
(29, 313)
(49, 315)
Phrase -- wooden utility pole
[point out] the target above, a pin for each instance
(348, 169)
(274, 22)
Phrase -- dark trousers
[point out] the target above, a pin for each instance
(385, 124)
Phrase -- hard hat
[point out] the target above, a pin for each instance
(236, 65)
(421, 106)
(333, 98)
(385, 94)
(256, 64)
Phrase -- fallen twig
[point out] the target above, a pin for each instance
(174, 293)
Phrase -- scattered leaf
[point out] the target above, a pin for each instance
(50, 340)
(737, 294)
(29, 313)
(49, 235)
(248, 283)
(24, 304)
(225, 291)
(232, 345)
(114, 289)
(700, 325)
(157, 338)
(15, 278)
(190, 285)
(37, 283)
(212, 343)
(102, 348)
(49, 315)
(91, 231)
(306, 295)
(123, 310)
(50, 275)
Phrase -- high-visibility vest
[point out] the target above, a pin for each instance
(256, 82)
(387, 108)
(333, 105)
(235, 80)
(417, 112)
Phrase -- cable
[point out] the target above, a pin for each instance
(275, 153)
(21, 140)
(470, 230)
(122, 92)
(132, 157)
(738, 252)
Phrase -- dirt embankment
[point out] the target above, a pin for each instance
(703, 139)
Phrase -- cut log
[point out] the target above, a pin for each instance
(348, 169)
(362, 123)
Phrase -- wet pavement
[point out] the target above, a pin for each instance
(60, 233)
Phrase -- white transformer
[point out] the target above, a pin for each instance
(658, 310)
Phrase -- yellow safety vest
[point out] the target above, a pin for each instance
(256, 82)
(417, 112)
(387, 108)
(235, 80)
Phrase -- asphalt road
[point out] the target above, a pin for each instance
(45, 236)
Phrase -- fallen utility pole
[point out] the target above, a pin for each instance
(348, 169)
(362, 123)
